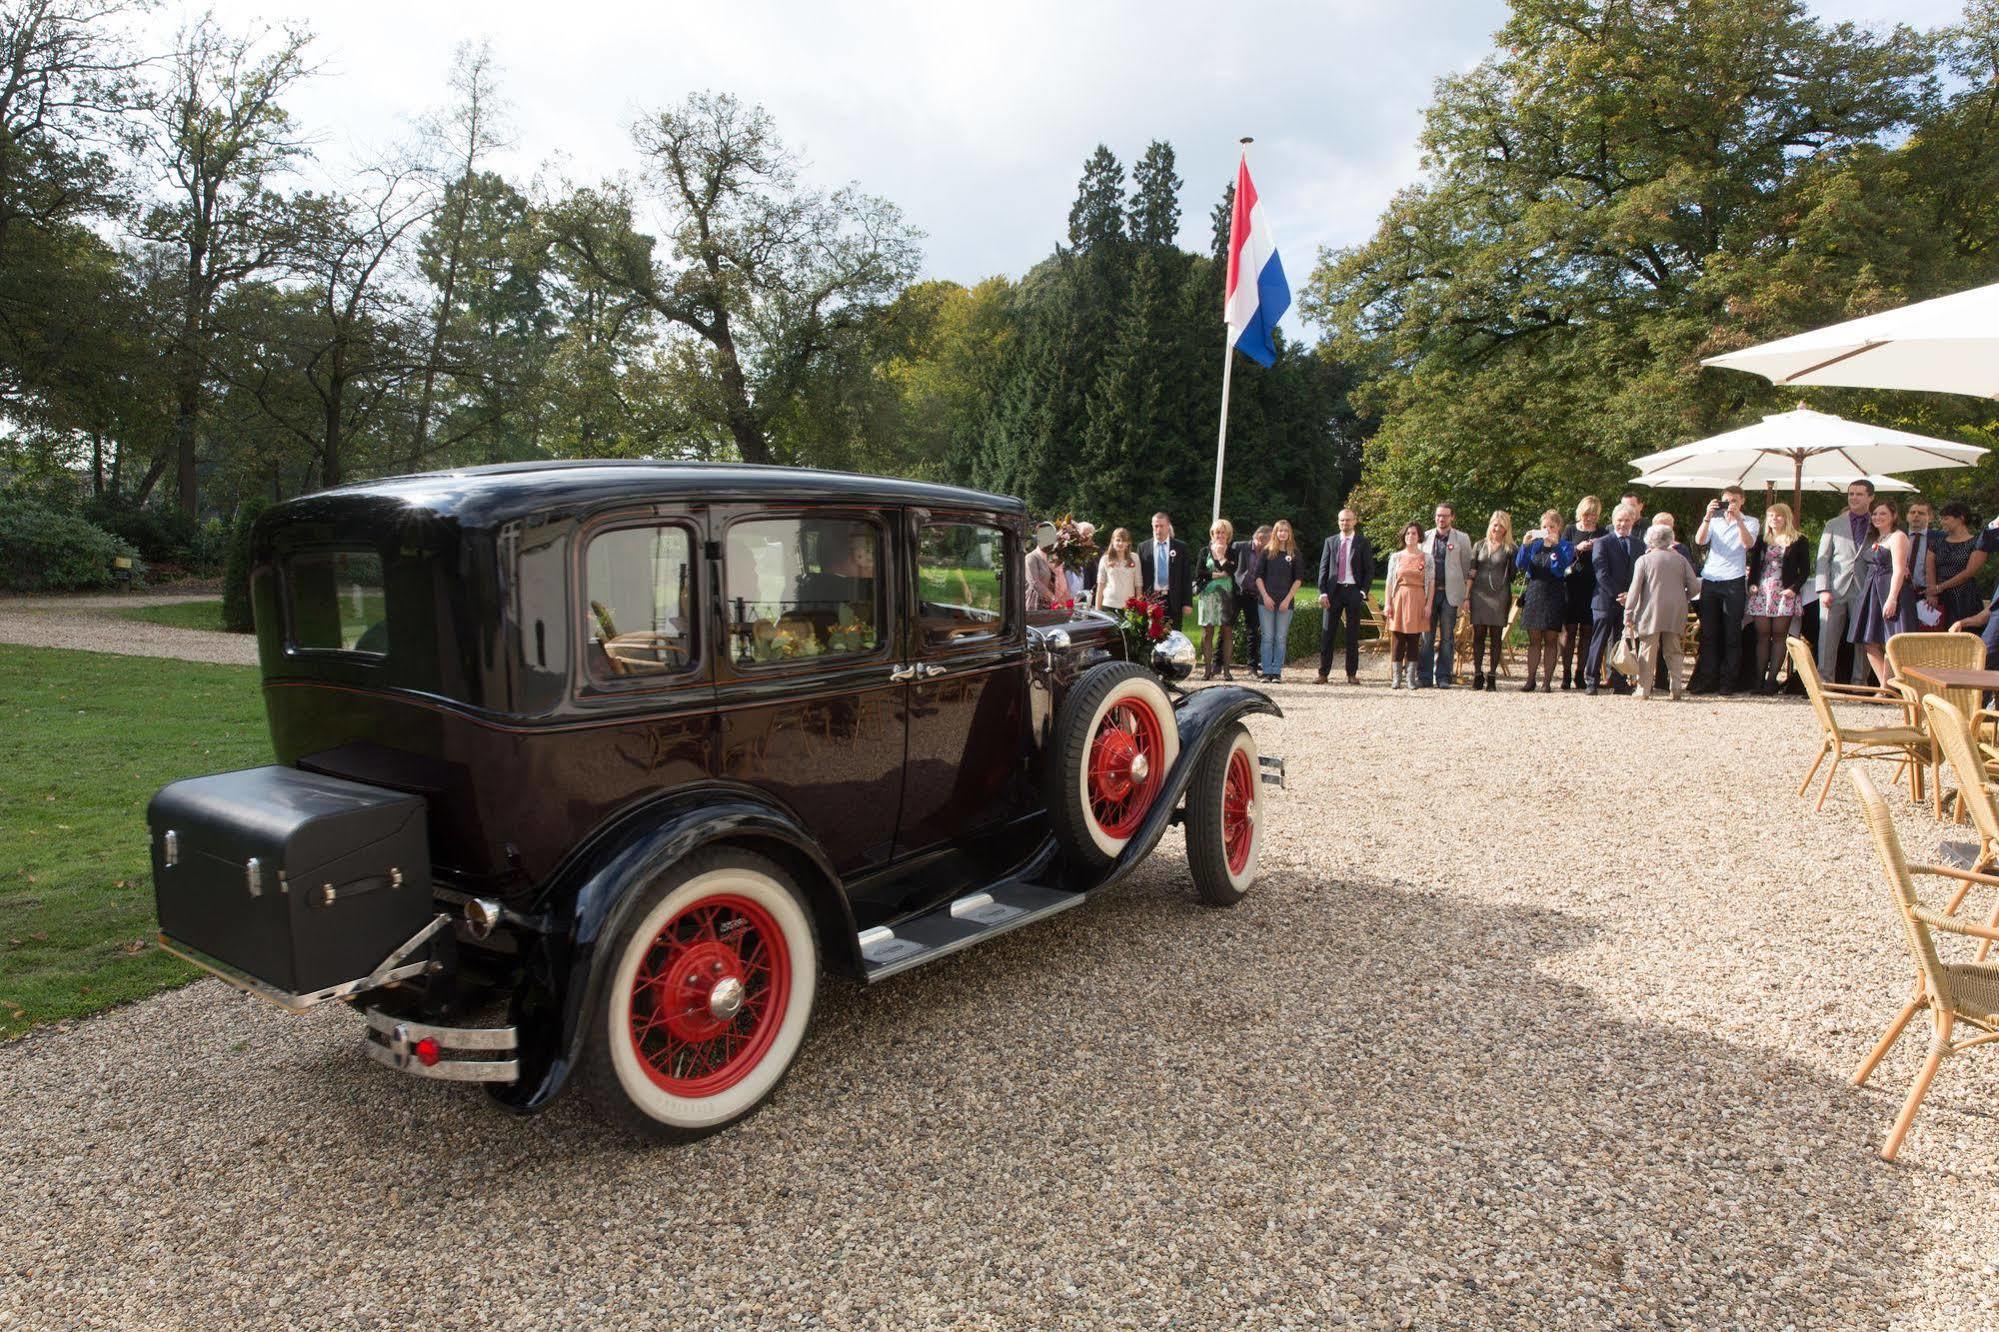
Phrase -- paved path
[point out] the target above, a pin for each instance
(92, 624)
(1541, 1013)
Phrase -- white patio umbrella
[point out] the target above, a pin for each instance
(1948, 345)
(1826, 484)
(1801, 445)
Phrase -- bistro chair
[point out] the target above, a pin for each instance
(1907, 743)
(1952, 733)
(1950, 652)
(1964, 994)
(1371, 617)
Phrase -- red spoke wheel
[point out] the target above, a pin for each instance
(708, 994)
(1225, 818)
(1115, 742)
(707, 997)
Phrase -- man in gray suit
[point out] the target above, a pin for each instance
(1449, 553)
(1842, 582)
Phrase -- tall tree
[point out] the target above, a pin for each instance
(1535, 307)
(220, 136)
(468, 133)
(1155, 198)
(340, 331)
(1096, 219)
(767, 274)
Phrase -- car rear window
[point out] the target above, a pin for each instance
(336, 602)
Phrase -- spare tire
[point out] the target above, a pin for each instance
(1115, 740)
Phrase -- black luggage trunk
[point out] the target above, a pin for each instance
(302, 881)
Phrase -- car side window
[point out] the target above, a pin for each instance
(960, 582)
(803, 587)
(639, 603)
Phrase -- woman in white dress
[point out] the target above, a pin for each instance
(1117, 572)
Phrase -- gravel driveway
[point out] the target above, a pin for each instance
(1542, 1011)
(91, 623)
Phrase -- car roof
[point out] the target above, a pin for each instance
(511, 490)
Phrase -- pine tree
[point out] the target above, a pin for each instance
(1097, 217)
(1155, 204)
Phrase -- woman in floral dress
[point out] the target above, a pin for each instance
(1777, 569)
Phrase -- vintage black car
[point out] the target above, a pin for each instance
(592, 768)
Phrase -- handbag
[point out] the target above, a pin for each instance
(1624, 657)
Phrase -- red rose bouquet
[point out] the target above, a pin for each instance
(1143, 621)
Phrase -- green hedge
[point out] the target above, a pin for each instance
(1304, 639)
(45, 551)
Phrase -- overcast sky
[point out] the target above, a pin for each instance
(974, 119)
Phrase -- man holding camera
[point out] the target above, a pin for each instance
(1728, 534)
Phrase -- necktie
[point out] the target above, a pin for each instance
(1159, 564)
(1345, 545)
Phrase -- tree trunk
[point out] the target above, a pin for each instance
(740, 413)
(97, 462)
(420, 445)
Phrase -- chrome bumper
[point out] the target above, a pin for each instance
(394, 1041)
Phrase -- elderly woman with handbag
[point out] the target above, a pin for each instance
(1655, 608)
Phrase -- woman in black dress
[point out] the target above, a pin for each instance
(1580, 536)
(1885, 599)
(1949, 582)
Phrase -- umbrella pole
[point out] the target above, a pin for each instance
(1798, 489)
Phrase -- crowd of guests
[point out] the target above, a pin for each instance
(1583, 588)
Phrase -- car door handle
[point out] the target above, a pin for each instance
(901, 673)
(928, 671)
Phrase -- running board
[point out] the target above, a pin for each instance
(971, 919)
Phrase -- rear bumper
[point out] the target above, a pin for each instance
(451, 1054)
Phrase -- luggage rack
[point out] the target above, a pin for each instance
(391, 969)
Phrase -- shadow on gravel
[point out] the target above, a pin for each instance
(1340, 1100)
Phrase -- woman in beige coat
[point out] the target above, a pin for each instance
(1655, 607)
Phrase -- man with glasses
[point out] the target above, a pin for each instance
(1842, 581)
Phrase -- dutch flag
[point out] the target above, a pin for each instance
(1258, 295)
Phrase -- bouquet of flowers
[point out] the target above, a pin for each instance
(1072, 548)
(1143, 621)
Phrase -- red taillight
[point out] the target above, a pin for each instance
(427, 1051)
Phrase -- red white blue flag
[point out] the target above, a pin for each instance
(1258, 295)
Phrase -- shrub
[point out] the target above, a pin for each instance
(44, 551)
(236, 612)
(163, 535)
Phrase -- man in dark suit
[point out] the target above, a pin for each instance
(1614, 557)
(1248, 564)
(1346, 571)
(1163, 569)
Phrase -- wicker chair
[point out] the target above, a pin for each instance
(1952, 733)
(1372, 617)
(1908, 743)
(1958, 652)
(1956, 994)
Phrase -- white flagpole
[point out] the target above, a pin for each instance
(1222, 439)
(1228, 365)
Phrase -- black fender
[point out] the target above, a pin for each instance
(590, 899)
(1201, 716)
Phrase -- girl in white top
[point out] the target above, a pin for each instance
(1117, 572)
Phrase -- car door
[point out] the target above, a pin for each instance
(967, 767)
(809, 681)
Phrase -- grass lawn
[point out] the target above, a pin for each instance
(180, 614)
(85, 740)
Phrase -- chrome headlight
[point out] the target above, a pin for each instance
(1173, 656)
